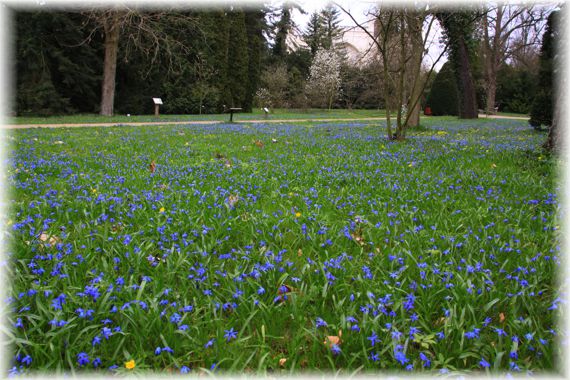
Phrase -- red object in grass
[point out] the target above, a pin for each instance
(427, 111)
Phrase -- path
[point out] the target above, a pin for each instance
(197, 122)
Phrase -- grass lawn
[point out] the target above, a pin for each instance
(257, 114)
(283, 248)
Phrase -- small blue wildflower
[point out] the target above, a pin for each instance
(184, 369)
(157, 351)
(230, 334)
(320, 323)
(209, 343)
(82, 359)
(373, 339)
(335, 349)
(483, 363)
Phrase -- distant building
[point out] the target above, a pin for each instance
(357, 44)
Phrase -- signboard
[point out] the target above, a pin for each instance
(157, 100)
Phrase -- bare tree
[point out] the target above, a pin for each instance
(402, 48)
(507, 30)
(141, 30)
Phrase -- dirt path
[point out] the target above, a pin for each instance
(198, 122)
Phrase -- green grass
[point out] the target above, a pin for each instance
(418, 242)
(257, 114)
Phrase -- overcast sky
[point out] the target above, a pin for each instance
(359, 10)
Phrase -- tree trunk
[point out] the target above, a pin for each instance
(554, 141)
(112, 30)
(468, 101)
(415, 21)
(491, 59)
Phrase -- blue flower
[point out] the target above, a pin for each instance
(82, 359)
(230, 334)
(27, 360)
(320, 323)
(483, 363)
(157, 351)
(175, 318)
(335, 349)
(184, 369)
(373, 339)
(96, 340)
(209, 343)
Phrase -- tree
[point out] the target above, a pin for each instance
(330, 26)
(255, 25)
(542, 107)
(323, 83)
(313, 35)
(144, 31)
(500, 24)
(55, 72)
(275, 80)
(458, 30)
(401, 53)
(443, 98)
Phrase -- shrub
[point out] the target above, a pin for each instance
(443, 98)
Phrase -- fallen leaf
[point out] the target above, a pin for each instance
(501, 317)
(258, 143)
(282, 362)
(233, 200)
(332, 340)
(300, 252)
(152, 167)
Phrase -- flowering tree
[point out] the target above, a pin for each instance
(324, 77)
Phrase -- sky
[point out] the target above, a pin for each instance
(359, 9)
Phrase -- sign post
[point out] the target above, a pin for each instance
(157, 102)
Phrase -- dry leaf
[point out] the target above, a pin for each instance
(358, 237)
(501, 317)
(282, 362)
(233, 200)
(300, 252)
(258, 143)
(152, 167)
(333, 339)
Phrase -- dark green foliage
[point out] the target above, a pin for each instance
(282, 29)
(57, 72)
(515, 89)
(444, 98)
(542, 106)
(215, 61)
(313, 34)
(237, 74)
(458, 30)
(323, 29)
(255, 23)
(360, 87)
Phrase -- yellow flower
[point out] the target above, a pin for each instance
(130, 364)
(93, 191)
(297, 214)
(161, 210)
